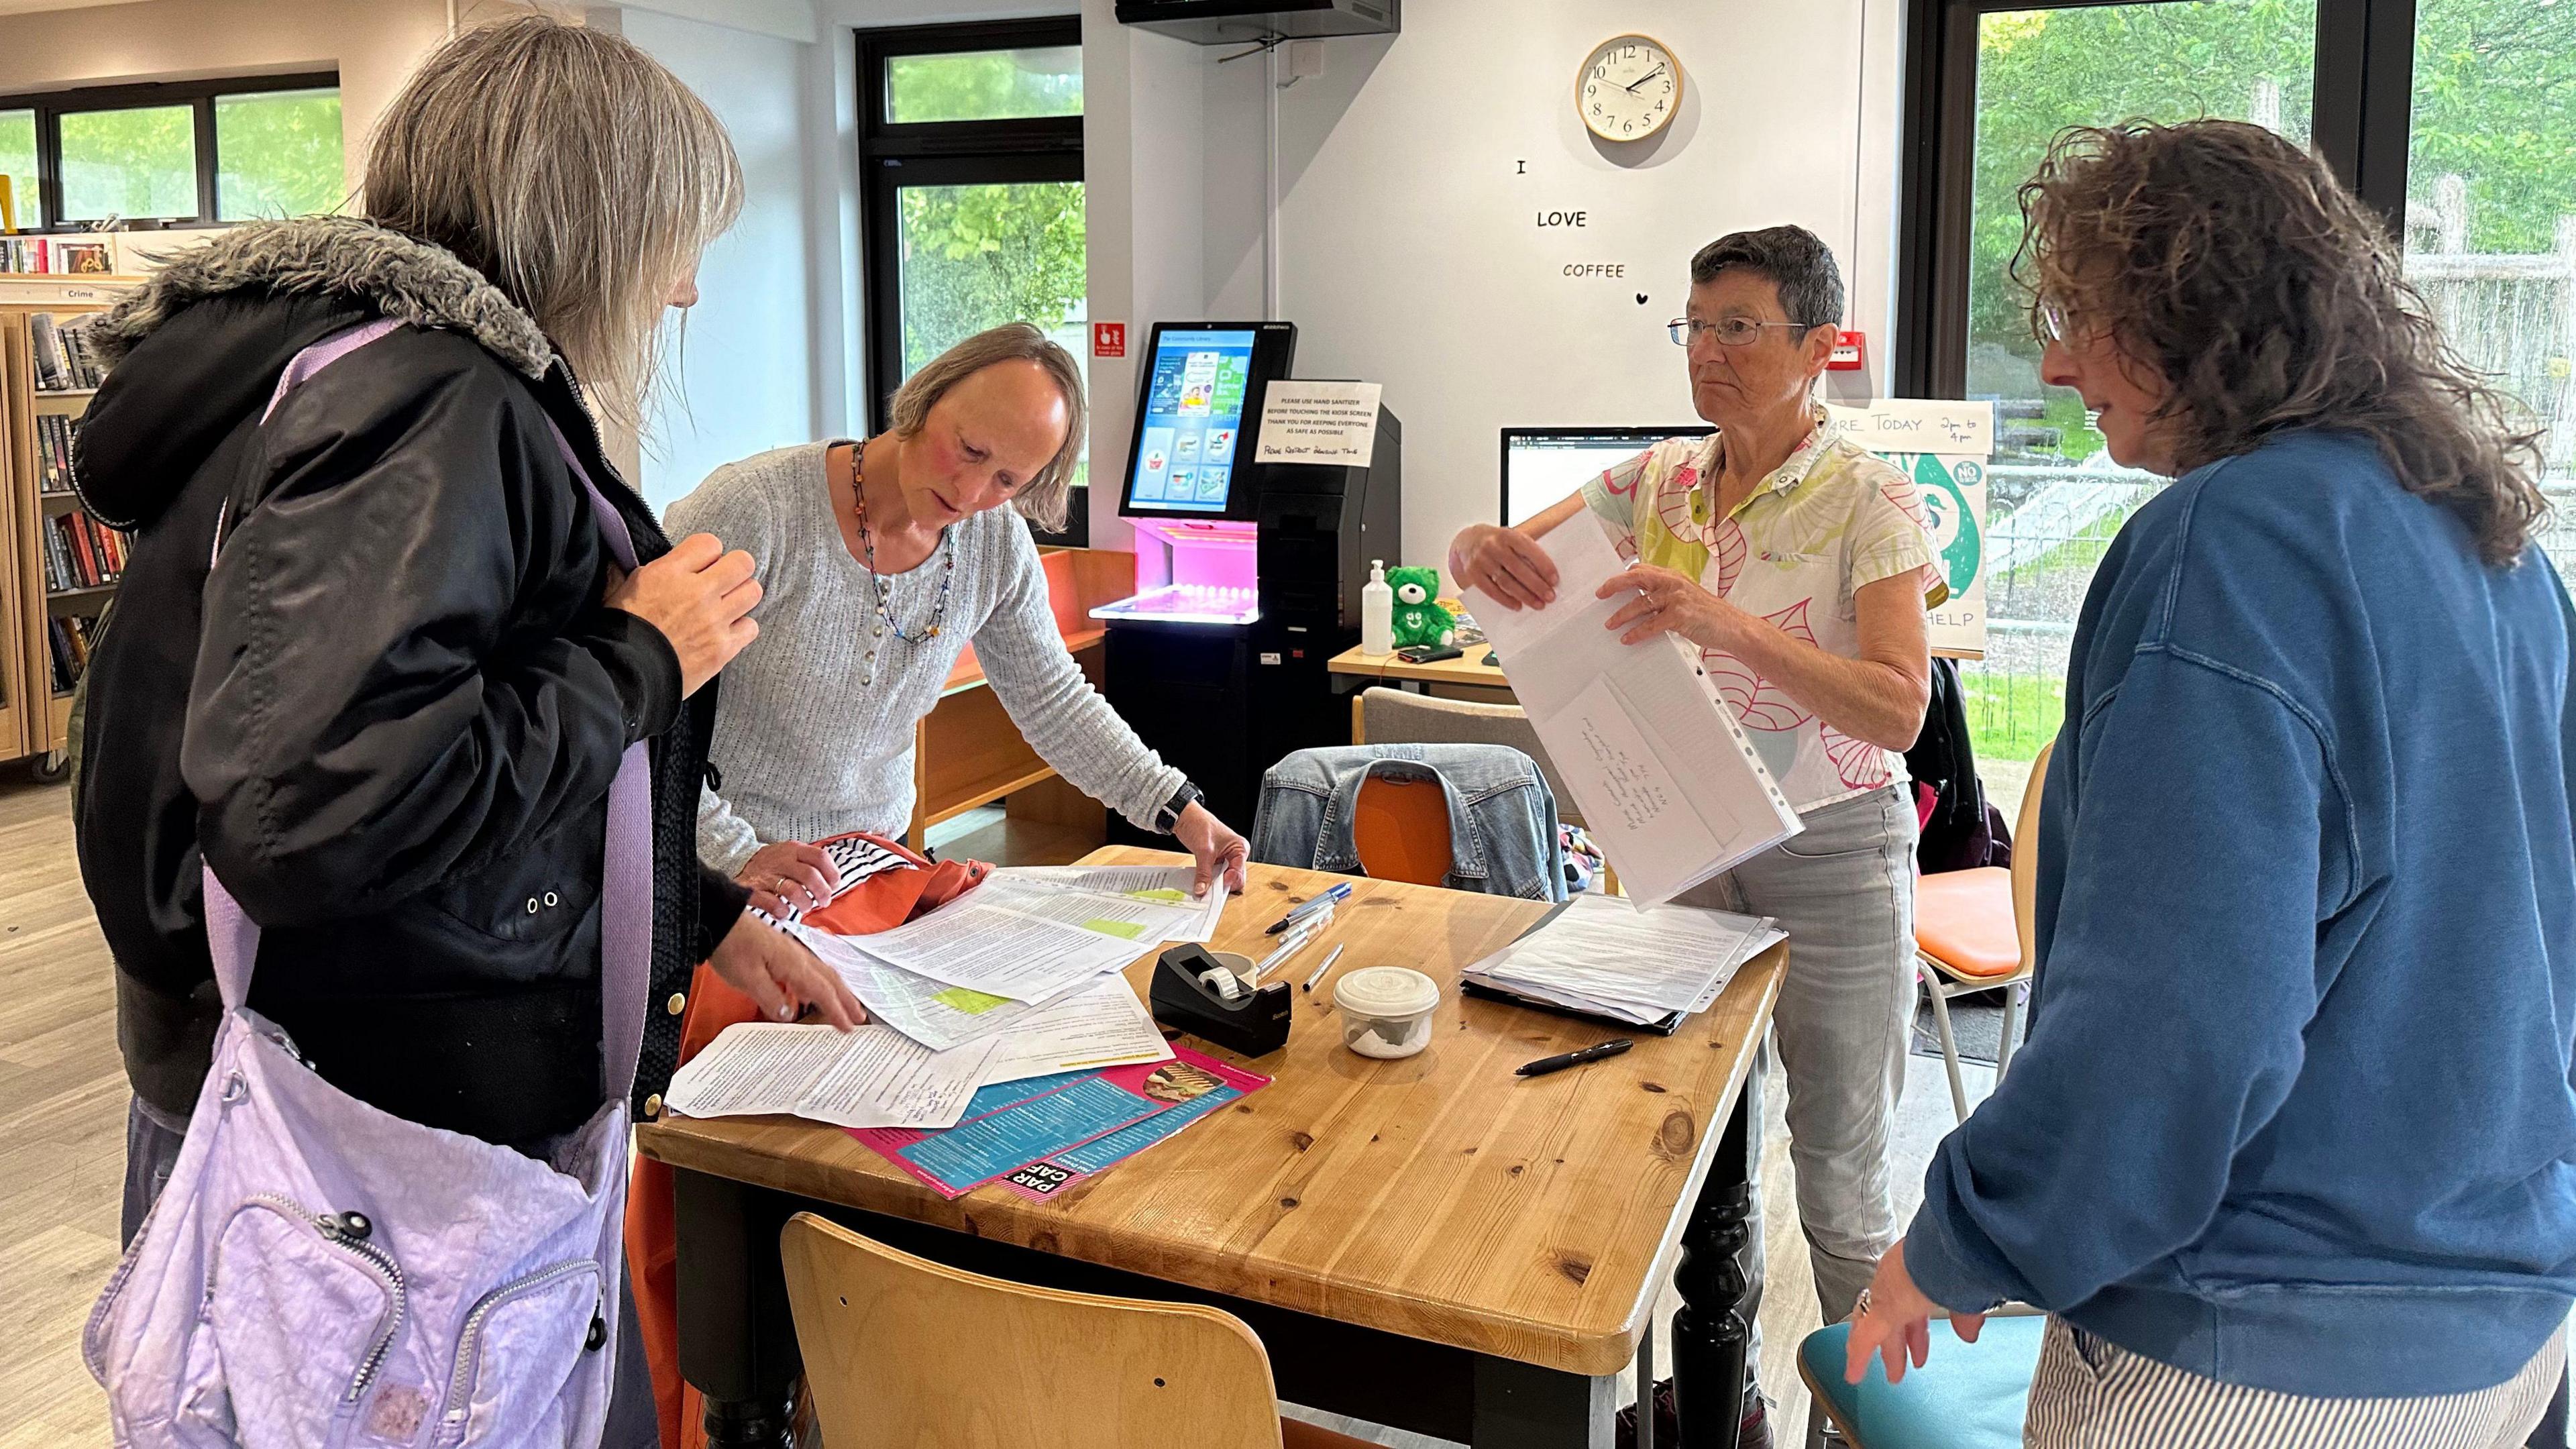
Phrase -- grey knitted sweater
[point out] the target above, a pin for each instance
(804, 748)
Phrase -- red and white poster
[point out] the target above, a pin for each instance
(1109, 339)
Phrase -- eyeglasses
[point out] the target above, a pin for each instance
(1729, 331)
(2052, 321)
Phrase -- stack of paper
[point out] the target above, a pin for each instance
(1602, 956)
(1659, 766)
(1016, 979)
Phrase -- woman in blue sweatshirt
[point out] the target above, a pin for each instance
(2291, 1156)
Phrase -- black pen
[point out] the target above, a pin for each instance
(1545, 1065)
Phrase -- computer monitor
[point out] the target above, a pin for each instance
(1542, 465)
(1200, 395)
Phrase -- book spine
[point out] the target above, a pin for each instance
(58, 572)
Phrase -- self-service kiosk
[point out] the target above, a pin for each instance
(1248, 573)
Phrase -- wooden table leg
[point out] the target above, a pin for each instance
(1709, 1330)
(737, 1340)
(1522, 1406)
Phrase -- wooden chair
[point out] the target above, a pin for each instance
(1973, 932)
(903, 1351)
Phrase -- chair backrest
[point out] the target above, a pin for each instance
(1394, 717)
(901, 1350)
(1401, 830)
(2025, 858)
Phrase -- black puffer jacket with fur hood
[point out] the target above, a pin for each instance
(391, 712)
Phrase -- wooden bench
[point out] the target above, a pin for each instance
(967, 753)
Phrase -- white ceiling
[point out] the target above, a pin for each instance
(29, 7)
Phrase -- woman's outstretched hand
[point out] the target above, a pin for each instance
(1214, 846)
(775, 970)
(1504, 564)
(1895, 1323)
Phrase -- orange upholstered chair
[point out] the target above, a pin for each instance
(1972, 932)
(1401, 830)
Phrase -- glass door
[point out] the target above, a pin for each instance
(2056, 498)
(2491, 212)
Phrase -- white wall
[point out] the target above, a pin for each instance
(1409, 253)
(374, 46)
(747, 371)
(1145, 117)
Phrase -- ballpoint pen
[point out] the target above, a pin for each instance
(1545, 1065)
(1297, 941)
(1299, 912)
(1329, 958)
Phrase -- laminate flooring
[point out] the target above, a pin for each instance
(63, 1156)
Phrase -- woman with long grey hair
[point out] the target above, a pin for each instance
(388, 712)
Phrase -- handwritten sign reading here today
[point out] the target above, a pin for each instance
(1319, 422)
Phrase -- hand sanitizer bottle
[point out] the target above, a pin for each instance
(1377, 612)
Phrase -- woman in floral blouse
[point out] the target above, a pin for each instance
(1801, 568)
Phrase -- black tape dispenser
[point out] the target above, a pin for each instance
(1195, 992)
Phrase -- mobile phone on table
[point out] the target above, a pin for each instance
(1427, 653)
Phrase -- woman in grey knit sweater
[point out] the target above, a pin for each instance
(879, 562)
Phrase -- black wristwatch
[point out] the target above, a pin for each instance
(1169, 816)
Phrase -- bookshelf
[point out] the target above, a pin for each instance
(57, 565)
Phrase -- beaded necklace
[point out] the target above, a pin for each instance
(881, 591)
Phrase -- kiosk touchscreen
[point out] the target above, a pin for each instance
(1203, 383)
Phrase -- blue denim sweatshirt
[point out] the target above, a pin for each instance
(1502, 816)
(2295, 1111)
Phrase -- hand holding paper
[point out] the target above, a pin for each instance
(1659, 766)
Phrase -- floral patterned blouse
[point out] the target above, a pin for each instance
(1829, 521)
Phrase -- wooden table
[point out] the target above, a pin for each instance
(1469, 668)
(1434, 1243)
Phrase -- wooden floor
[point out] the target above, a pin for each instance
(63, 1158)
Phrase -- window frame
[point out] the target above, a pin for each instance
(198, 95)
(2361, 121)
(895, 155)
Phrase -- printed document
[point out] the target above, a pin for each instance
(1658, 765)
(979, 941)
(1193, 918)
(1639, 965)
(871, 1077)
(1101, 1025)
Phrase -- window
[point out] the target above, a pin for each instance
(140, 161)
(2491, 211)
(18, 165)
(974, 199)
(984, 85)
(1992, 80)
(191, 153)
(277, 154)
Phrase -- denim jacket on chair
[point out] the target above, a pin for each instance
(1502, 818)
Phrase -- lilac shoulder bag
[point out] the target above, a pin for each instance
(319, 1273)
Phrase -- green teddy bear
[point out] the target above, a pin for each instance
(1418, 620)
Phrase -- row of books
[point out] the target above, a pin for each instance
(55, 434)
(70, 637)
(66, 360)
(54, 256)
(80, 553)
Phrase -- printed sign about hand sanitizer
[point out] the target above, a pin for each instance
(1319, 422)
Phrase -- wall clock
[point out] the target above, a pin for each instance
(1628, 89)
